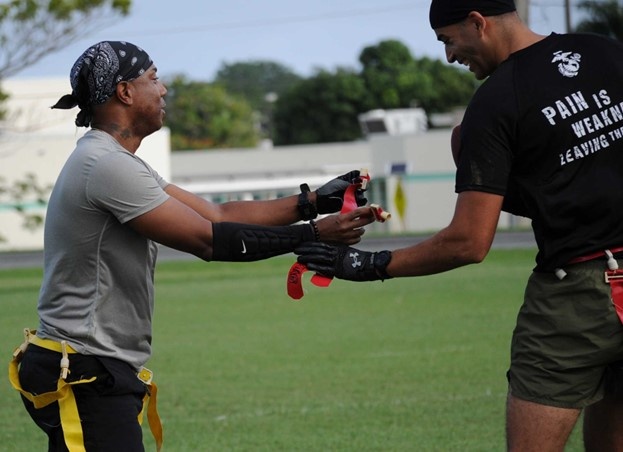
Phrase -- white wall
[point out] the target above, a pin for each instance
(35, 139)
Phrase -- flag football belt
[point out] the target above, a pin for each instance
(64, 395)
(612, 276)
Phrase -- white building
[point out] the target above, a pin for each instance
(399, 121)
(36, 140)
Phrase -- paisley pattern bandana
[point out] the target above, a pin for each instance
(95, 75)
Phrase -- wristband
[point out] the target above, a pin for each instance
(306, 209)
(315, 228)
(380, 262)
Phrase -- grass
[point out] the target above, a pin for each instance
(407, 365)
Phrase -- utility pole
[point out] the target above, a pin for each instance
(523, 9)
(568, 16)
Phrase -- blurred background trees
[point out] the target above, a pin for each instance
(204, 115)
(290, 109)
(30, 29)
(603, 17)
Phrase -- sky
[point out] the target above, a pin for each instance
(196, 37)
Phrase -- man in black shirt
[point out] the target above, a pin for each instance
(541, 138)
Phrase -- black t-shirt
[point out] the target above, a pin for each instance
(545, 130)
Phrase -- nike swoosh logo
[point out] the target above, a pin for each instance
(244, 247)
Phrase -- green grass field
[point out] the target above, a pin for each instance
(406, 365)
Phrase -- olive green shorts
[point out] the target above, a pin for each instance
(567, 347)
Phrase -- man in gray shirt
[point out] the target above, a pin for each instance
(106, 214)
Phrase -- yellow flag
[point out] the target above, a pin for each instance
(399, 199)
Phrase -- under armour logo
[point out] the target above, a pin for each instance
(356, 262)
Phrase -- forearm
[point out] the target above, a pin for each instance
(438, 254)
(466, 240)
(275, 212)
(236, 242)
(281, 211)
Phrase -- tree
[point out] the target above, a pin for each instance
(605, 17)
(260, 83)
(254, 79)
(325, 107)
(321, 109)
(31, 29)
(203, 115)
(439, 87)
(395, 79)
(385, 72)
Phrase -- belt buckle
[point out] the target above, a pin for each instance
(145, 375)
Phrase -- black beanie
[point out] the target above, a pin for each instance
(448, 12)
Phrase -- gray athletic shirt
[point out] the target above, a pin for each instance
(98, 283)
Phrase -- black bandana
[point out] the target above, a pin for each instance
(95, 75)
(447, 12)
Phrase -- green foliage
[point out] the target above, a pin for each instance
(325, 107)
(386, 69)
(439, 87)
(254, 80)
(3, 97)
(604, 17)
(260, 83)
(203, 115)
(395, 79)
(412, 364)
(31, 29)
(321, 109)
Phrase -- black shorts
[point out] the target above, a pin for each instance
(567, 347)
(108, 407)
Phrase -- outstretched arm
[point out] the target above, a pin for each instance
(282, 211)
(178, 226)
(271, 212)
(466, 240)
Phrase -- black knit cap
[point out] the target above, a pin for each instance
(447, 12)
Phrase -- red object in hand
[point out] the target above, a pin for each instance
(295, 280)
(295, 284)
(295, 275)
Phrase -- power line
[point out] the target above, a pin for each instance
(346, 14)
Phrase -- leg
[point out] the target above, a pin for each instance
(602, 426)
(38, 373)
(109, 408)
(110, 423)
(532, 427)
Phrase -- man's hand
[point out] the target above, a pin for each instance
(344, 262)
(345, 228)
(330, 197)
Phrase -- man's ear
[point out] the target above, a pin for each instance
(477, 20)
(125, 92)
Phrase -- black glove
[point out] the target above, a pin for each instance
(344, 262)
(330, 196)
